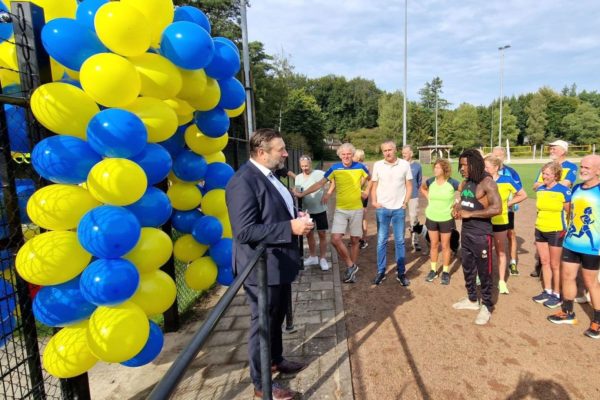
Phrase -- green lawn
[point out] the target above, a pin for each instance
(528, 173)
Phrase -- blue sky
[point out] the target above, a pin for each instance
(554, 42)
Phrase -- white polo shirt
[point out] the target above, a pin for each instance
(391, 182)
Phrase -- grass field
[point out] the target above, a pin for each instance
(527, 172)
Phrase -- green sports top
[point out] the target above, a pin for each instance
(441, 199)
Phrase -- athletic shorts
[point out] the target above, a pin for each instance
(348, 220)
(587, 261)
(442, 227)
(320, 221)
(500, 228)
(554, 239)
(511, 220)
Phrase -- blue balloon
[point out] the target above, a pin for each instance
(213, 123)
(225, 276)
(184, 221)
(86, 11)
(70, 43)
(151, 349)
(189, 166)
(6, 29)
(67, 79)
(7, 326)
(225, 63)
(176, 143)
(106, 282)
(156, 162)
(187, 45)
(207, 230)
(217, 175)
(61, 305)
(16, 124)
(153, 209)
(108, 231)
(192, 14)
(117, 133)
(7, 298)
(227, 42)
(64, 159)
(25, 188)
(6, 259)
(233, 93)
(221, 253)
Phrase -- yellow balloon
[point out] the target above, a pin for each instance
(226, 224)
(122, 28)
(215, 157)
(156, 293)
(63, 108)
(110, 80)
(173, 179)
(159, 14)
(8, 55)
(160, 77)
(186, 249)
(152, 251)
(67, 354)
(193, 83)
(185, 112)
(117, 181)
(213, 203)
(60, 207)
(236, 112)
(72, 74)
(117, 333)
(201, 274)
(51, 258)
(160, 119)
(202, 144)
(57, 70)
(209, 98)
(57, 8)
(184, 196)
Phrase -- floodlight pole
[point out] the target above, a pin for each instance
(501, 49)
(405, 71)
(246, 60)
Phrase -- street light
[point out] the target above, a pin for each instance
(501, 49)
(405, 69)
(436, 119)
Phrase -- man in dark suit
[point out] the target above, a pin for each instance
(261, 211)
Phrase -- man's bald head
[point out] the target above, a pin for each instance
(590, 168)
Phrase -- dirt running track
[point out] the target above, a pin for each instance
(409, 343)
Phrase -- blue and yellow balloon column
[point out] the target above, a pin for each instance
(145, 93)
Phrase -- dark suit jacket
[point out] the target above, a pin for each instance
(258, 214)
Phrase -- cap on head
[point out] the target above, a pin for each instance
(560, 143)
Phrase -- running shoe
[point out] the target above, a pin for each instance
(431, 276)
(350, 274)
(484, 315)
(404, 281)
(466, 304)
(445, 280)
(311, 260)
(593, 331)
(562, 317)
(513, 269)
(583, 299)
(553, 302)
(324, 264)
(503, 287)
(363, 244)
(542, 297)
(380, 277)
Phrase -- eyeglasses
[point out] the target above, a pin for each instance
(304, 158)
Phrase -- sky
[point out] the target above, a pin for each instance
(553, 43)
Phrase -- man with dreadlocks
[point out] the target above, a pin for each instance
(479, 202)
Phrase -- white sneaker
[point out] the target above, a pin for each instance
(583, 299)
(311, 260)
(466, 304)
(324, 265)
(484, 315)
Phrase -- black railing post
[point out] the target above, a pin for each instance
(263, 328)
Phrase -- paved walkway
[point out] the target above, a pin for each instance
(221, 370)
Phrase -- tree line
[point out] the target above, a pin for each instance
(310, 111)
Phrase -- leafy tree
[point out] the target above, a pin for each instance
(390, 114)
(224, 16)
(557, 108)
(591, 97)
(302, 115)
(428, 94)
(583, 126)
(509, 126)
(537, 120)
(465, 129)
(368, 139)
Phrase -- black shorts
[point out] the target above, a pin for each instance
(500, 228)
(511, 220)
(587, 261)
(320, 221)
(554, 239)
(442, 227)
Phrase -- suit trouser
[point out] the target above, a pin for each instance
(277, 298)
(476, 251)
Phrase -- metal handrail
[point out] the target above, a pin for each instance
(168, 383)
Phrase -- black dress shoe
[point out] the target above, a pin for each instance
(278, 392)
(288, 367)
